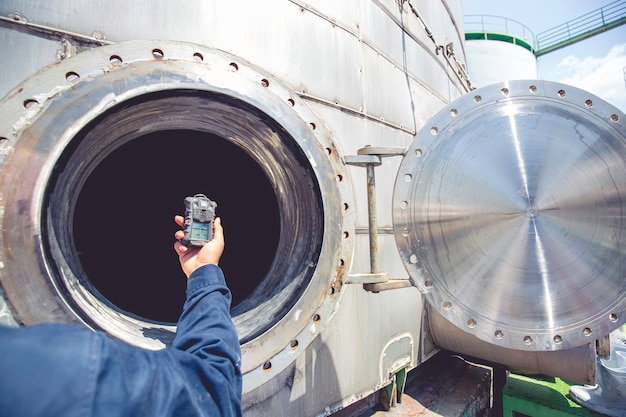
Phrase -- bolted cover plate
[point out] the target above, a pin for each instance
(510, 214)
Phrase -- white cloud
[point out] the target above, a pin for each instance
(603, 77)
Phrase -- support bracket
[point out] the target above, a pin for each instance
(375, 281)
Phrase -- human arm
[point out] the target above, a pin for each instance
(199, 374)
(206, 341)
(205, 328)
(66, 370)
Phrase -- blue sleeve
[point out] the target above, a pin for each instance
(206, 332)
(205, 326)
(199, 375)
(57, 369)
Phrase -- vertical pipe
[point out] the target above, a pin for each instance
(373, 229)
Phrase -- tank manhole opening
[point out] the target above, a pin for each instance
(120, 181)
(123, 220)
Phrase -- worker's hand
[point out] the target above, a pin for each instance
(191, 257)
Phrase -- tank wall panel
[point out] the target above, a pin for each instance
(333, 365)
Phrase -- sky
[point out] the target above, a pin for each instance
(595, 65)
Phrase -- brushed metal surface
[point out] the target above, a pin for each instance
(509, 214)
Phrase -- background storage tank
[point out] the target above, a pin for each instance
(498, 49)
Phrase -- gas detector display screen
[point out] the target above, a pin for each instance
(200, 231)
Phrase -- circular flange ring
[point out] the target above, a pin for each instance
(40, 118)
(510, 215)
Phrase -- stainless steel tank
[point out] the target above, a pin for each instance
(302, 120)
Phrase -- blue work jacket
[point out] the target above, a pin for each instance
(68, 370)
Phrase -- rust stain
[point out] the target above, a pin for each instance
(15, 93)
(338, 283)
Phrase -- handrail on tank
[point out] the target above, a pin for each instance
(499, 25)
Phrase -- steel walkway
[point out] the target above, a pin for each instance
(490, 27)
(580, 28)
